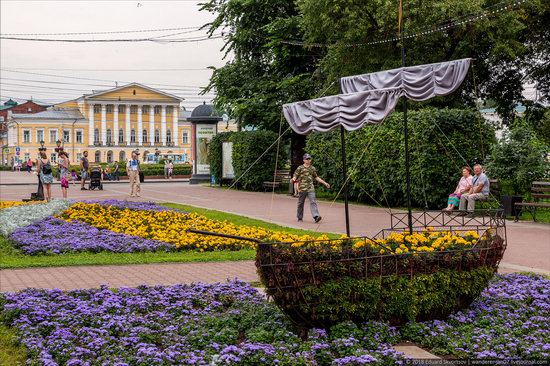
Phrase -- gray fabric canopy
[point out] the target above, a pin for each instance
(371, 97)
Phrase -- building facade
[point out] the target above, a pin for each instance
(108, 124)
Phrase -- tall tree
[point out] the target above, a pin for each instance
(262, 73)
(510, 46)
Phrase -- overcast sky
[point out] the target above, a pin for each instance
(128, 60)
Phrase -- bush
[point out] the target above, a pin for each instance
(519, 158)
(376, 158)
(248, 146)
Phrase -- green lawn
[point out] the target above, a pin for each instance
(11, 353)
(11, 258)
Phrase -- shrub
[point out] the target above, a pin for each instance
(376, 158)
(248, 146)
(519, 158)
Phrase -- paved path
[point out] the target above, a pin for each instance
(528, 242)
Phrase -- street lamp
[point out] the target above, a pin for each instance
(59, 148)
(42, 148)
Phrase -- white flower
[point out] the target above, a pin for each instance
(14, 217)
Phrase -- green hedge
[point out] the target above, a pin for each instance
(397, 299)
(148, 169)
(247, 147)
(376, 158)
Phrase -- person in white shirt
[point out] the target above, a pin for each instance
(132, 169)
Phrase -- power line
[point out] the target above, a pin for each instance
(155, 39)
(102, 32)
(498, 8)
(92, 79)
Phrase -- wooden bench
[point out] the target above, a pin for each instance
(539, 191)
(280, 177)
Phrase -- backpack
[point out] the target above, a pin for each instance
(46, 168)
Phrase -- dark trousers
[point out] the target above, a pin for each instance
(312, 204)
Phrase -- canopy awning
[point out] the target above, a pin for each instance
(369, 98)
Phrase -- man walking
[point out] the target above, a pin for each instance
(305, 175)
(479, 192)
(132, 169)
(116, 172)
(84, 165)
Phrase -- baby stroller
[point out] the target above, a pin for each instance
(95, 178)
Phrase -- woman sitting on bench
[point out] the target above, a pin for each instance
(463, 186)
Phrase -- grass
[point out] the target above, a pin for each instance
(12, 258)
(11, 352)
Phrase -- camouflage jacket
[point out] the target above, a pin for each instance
(305, 177)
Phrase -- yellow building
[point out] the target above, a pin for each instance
(109, 125)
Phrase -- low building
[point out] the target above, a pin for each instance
(109, 125)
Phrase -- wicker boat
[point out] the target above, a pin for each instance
(319, 285)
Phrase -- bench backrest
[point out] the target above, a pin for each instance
(281, 175)
(540, 190)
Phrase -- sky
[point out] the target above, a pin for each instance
(181, 66)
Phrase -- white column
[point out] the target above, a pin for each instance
(90, 125)
(140, 126)
(163, 125)
(104, 124)
(115, 125)
(128, 127)
(152, 124)
(175, 134)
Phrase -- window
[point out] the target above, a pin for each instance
(78, 137)
(146, 109)
(185, 137)
(109, 136)
(169, 109)
(109, 156)
(96, 135)
(133, 109)
(26, 136)
(157, 136)
(168, 136)
(157, 109)
(66, 136)
(29, 110)
(121, 156)
(98, 157)
(27, 156)
(97, 108)
(133, 136)
(53, 157)
(109, 108)
(144, 136)
(120, 135)
(53, 135)
(121, 109)
(78, 157)
(39, 135)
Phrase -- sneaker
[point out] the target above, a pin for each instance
(317, 218)
(470, 215)
(83, 189)
(300, 220)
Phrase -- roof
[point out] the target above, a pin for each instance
(204, 112)
(51, 114)
(99, 93)
(10, 102)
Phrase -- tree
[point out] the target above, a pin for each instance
(264, 73)
(510, 47)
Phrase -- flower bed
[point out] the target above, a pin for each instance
(175, 325)
(231, 324)
(511, 319)
(57, 236)
(19, 216)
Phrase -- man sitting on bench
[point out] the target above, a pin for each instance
(478, 192)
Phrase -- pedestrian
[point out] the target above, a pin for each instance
(108, 172)
(44, 170)
(116, 171)
(170, 169)
(305, 175)
(166, 169)
(29, 165)
(132, 169)
(74, 177)
(63, 167)
(84, 165)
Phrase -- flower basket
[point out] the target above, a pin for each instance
(319, 283)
